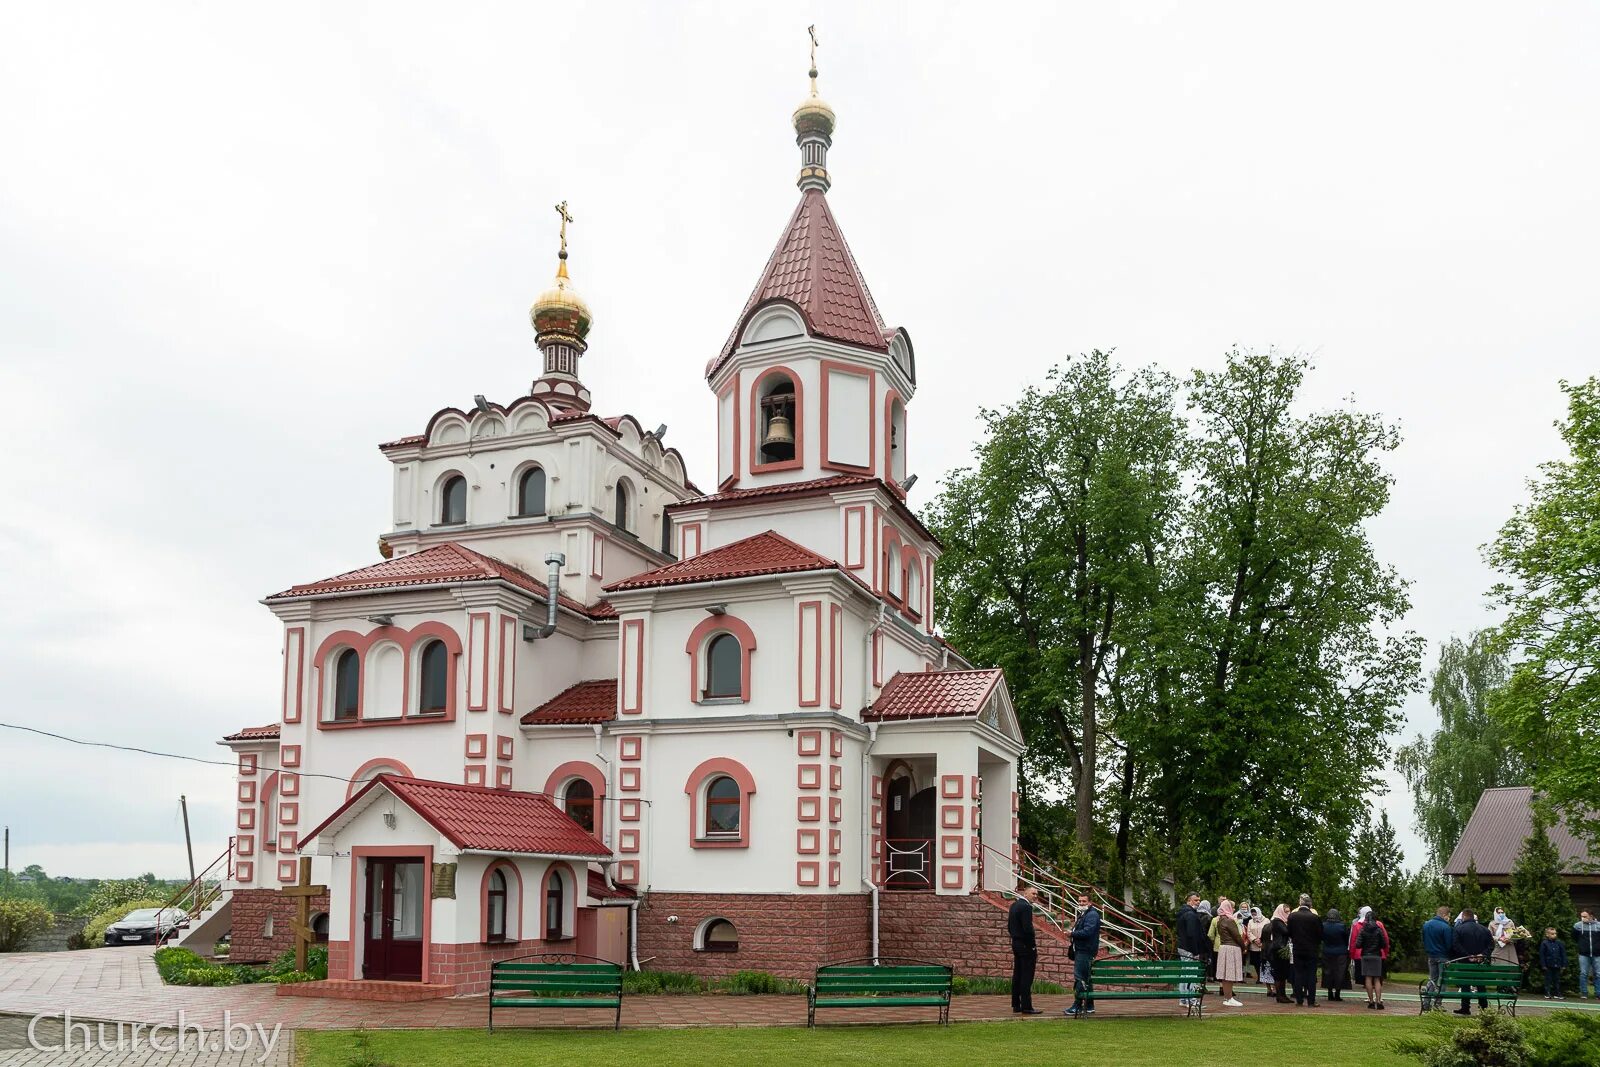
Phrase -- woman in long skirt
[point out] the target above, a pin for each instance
(1230, 952)
(1335, 954)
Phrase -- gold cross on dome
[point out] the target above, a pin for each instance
(812, 30)
(566, 217)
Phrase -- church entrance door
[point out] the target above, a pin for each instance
(393, 921)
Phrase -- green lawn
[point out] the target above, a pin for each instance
(1283, 1040)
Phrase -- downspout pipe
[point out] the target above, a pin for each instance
(552, 594)
(866, 779)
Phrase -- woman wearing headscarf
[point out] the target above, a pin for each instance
(1505, 950)
(1210, 919)
(1230, 952)
(1275, 946)
(1369, 948)
(1335, 954)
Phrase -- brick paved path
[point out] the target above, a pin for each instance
(121, 984)
(17, 1051)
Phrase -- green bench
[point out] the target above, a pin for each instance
(881, 983)
(1466, 980)
(555, 980)
(1151, 979)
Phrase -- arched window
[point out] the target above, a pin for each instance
(724, 667)
(718, 935)
(319, 927)
(433, 679)
(776, 414)
(347, 686)
(530, 492)
(496, 903)
(622, 506)
(724, 807)
(555, 905)
(453, 500)
(897, 440)
(913, 588)
(578, 800)
(666, 534)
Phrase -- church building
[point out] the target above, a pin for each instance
(581, 704)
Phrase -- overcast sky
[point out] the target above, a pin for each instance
(239, 246)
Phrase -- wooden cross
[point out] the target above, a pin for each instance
(566, 217)
(304, 936)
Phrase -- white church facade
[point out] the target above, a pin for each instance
(581, 704)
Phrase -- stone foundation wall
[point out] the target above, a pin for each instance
(466, 967)
(966, 932)
(783, 934)
(249, 912)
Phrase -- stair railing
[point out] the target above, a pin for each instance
(1131, 929)
(201, 892)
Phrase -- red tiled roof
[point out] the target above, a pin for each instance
(814, 487)
(442, 564)
(763, 553)
(484, 819)
(402, 442)
(600, 891)
(1502, 820)
(269, 732)
(586, 702)
(812, 267)
(933, 695)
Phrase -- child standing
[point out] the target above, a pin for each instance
(1553, 958)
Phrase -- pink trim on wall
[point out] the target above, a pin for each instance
(503, 747)
(247, 819)
(288, 815)
(871, 376)
(244, 845)
(506, 683)
(247, 792)
(288, 841)
(855, 547)
(628, 779)
(244, 872)
(877, 659)
(927, 599)
(294, 655)
(628, 872)
(835, 655)
(247, 763)
(408, 641)
(835, 743)
(952, 846)
(835, 778)
(628, 841)
(808, 841)
(734, 425)
(289, 756)
(288, 784)
(502, 777)
(702, 633)
(477, 746)
(513, 901)
(630, 688)
(835, 809)
(808, 809)
(814, 608)
(627, 811)
(808, 742)
(476, 774)
(690, 546)
(976, 787)
(889, 397)
(288, 871)
(835, 842)
(358, 883)
(807, 873)
(576, 769)
(380, 763)
(808, 775)
(629, 748)
(478, 661)
(952, 816)
(911, 563)
(950, 786)
(747, 788)
(756, 466)
(833, 872)
(951, 877)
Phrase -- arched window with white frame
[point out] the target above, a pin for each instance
(347, 686)
(433, 678)
(453, 501)
(531, 492)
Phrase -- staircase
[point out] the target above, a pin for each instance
(1124, 929)
(206, 901)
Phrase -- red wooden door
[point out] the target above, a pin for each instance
(393, 921)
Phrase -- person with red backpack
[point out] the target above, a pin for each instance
(1369, 949)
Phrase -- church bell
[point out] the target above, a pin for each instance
(779, 439)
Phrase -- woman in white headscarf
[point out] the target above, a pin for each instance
(1501, 926)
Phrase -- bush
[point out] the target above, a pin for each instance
(648, 983)
(281, 969)
(753, 983)
(127, 894)
(1493, 1039)
(964, 985)
(20, 922)
(94, 932)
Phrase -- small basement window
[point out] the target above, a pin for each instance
(718, 935)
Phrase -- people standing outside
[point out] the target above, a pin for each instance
(1437, 934)
(1501, 927)
(1275, 947)
(1369, 946)
(1475, 943)
(1208, 953)
(1230, 952)
(1251, 921)
(1305, 940)
(1587, 932)
(1335, 954)
(1191, 940)
(1024, 950)
(1553, 958)
(1085, 947)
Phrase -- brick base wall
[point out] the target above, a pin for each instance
(249, 910)
(783, 934)
(966, 932)
(466, 967)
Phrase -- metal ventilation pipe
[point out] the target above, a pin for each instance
(553, 587)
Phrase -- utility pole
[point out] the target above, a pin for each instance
(183, 802)
(7, 867)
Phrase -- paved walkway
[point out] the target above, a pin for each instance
(104, 1045)
(121, 984)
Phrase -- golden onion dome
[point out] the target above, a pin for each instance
(560, 310)
(813, 116)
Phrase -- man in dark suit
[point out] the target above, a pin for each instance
(1305, 935)
(1192, 941)
(1024, 950)
(1472, 939)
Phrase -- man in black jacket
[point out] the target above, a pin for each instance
(1472, 939)
(1192, 937)
(1024, 950)
(1305, 935)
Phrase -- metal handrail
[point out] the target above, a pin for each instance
(1125, 924)
(202, 891)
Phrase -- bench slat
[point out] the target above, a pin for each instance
(874, 1002)
(556, 1002)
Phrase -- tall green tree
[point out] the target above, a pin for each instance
(1292, 661)
(1548, 554)
(1469, 752)
(1538, 897)
(1048, 563)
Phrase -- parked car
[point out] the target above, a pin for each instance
(147, 926)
